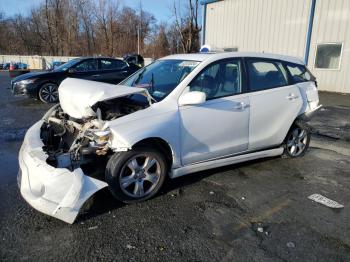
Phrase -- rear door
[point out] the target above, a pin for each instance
(113, 70)
(275, 102)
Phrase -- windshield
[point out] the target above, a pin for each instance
(161, 77)
(67, 65)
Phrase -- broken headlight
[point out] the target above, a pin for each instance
(100, 137)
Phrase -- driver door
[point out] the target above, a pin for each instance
(220, 126)
(87, 69)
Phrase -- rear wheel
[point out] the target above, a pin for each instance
(48, 93)
(136, 175)
(297, 141)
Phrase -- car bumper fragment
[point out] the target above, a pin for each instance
(57, 192)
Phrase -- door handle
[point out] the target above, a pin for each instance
(241, 106)
(292, 96)
(95, 75)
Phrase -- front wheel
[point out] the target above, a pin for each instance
(48, 93)
(297, 141)
(136, 175)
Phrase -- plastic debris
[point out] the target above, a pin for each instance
(260, 229)
(211, 193)
(128, 246)
(92, 228)
(243, 198)
(325, 201)
(290, 245)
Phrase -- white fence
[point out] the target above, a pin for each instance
(42, 62)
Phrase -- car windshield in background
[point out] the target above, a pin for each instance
(161, 77)
(67, 65)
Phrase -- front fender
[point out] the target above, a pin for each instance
(164, 126)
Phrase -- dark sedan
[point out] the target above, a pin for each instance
(44, 85)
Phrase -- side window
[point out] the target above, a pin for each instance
(109, 64)
(264, 74)
(87, 65)
(299, 73)
(219, 79)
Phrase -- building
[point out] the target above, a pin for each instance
(316, 30)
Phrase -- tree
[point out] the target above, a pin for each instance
(187, 26)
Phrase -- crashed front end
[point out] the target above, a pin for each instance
(56, 191)
(62, 159)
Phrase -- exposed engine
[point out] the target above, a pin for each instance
(71, 142)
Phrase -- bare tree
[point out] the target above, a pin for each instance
(97, 27)
(187, 26)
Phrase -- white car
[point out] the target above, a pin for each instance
(179, 115)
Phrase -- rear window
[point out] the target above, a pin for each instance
(264, 74)
(299, 73)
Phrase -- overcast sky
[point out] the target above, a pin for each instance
(161, 9)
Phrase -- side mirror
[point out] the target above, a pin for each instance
(192, 98)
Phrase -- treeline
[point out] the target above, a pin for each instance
(98, 27)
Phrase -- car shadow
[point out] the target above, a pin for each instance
(103, 202)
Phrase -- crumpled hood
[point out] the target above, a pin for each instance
(77, 96)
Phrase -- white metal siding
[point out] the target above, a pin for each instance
(273, 26)
(280, 26)
(332, 25)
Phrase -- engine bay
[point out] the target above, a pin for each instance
(71, 143)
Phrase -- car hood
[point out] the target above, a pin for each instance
(77, 96)
(28, 76)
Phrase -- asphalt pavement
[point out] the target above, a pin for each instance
(255, 211)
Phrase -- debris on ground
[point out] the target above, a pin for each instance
(176, 192)
(260, 229)
(161, 248)
(243, 198)
(211, 193)
(290, 245)
(92, 228)
(325, 201)
(128, 246)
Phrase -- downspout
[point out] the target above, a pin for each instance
(204, 20)
(309, 31)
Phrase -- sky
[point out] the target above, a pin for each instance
(161, 9)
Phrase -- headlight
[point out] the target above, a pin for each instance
(100, 137)
(27, 81)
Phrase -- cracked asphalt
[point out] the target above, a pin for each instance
(255, 211)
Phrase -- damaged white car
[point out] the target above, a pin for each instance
(179, 115)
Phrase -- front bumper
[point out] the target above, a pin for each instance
(57, 192)
(29, 90)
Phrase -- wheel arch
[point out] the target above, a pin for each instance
(161, 144)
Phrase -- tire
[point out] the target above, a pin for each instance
(131, 179)
(297, 141)
(48, 93)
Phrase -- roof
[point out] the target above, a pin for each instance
(221, 55)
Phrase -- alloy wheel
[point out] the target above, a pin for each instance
(139, 175)
(49, 93)
(297, 141)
